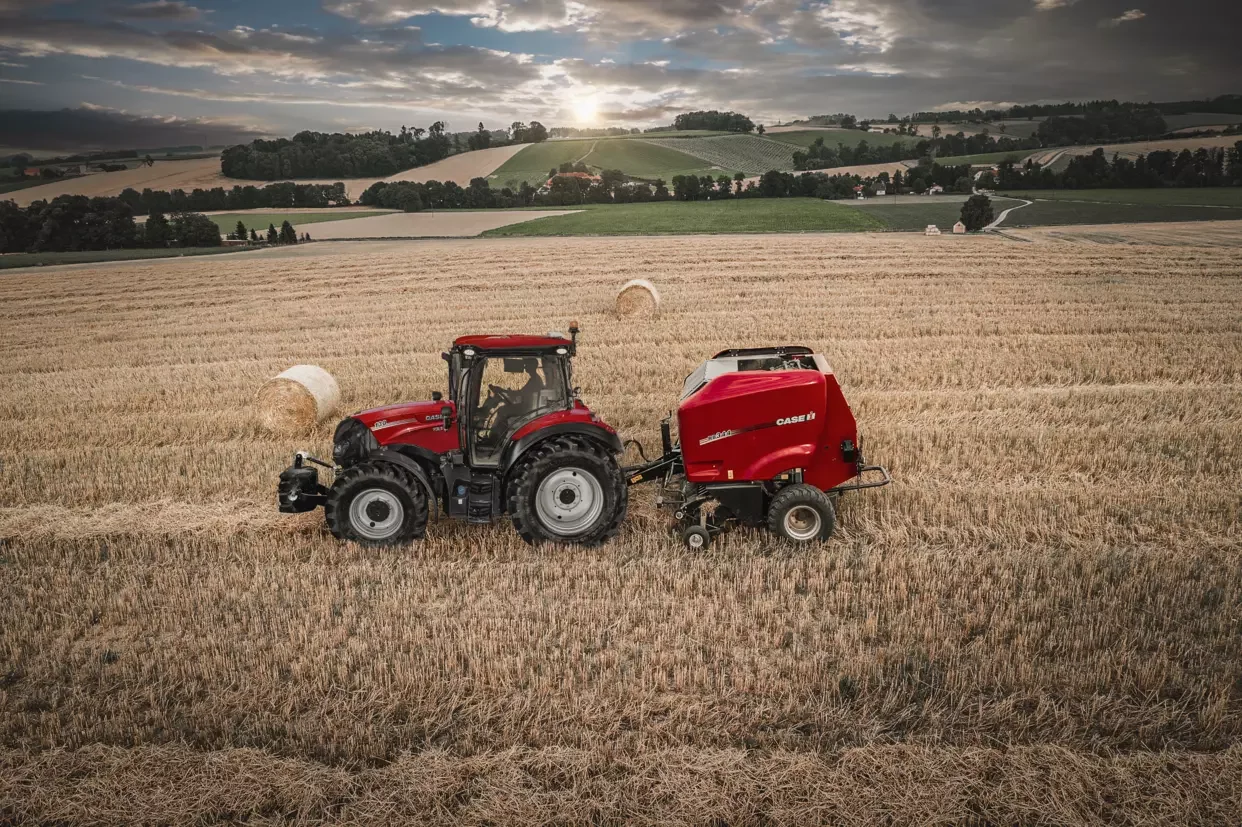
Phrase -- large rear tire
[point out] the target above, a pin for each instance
(568, 489)
(376, 504)
(802, 513)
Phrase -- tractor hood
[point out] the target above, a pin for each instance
(404, 421)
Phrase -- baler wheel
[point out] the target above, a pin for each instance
(696, 538)
(376, 504)
(802, 513)
(568, 489)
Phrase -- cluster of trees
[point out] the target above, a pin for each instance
(598, 132)
(1101, 127)
(285, 235)
(1205, 167)
(322, 155)
(281, 195)
(534, 133)
(76, 222)
(821, 156)
(714, 120)
(962, 115)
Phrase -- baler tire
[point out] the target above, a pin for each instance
(569, 451)
(394, 485)
(801, 496)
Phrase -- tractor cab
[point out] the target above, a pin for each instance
(499, 384)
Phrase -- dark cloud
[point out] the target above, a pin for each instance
(172, 10)
(769, 58)
(93, 128)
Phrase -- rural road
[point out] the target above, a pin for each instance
(1001, 217)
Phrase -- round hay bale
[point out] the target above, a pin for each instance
(296, 400)
(638, 298)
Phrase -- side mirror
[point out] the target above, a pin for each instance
(436, 396)
(446, 415)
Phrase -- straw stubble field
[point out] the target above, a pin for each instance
(1038, 622)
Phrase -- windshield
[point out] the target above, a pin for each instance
(511, 391)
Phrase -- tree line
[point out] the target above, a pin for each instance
(714, 120)
(370, 154)
(821, 156)
(76, 222)
(71, 223)
(1204, 167)
(1101, 127)
(321, 155)
(282, 195)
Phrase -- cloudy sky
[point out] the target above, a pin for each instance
(215, 71)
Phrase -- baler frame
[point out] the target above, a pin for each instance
(698, 525)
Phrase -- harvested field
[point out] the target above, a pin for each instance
(1171, 234)
(461, 168)
(1137, 148)
(164, 175)
(429, 223)
(205, 173)
(1037, 623)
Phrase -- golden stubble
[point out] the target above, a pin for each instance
(1041, 613)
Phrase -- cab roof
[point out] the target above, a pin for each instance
(494, 342)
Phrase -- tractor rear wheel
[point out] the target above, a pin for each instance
(376, 504)
(802, 513)
(568, 489)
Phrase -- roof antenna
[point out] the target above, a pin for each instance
(573, 338)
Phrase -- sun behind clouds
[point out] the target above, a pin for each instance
(586, 109)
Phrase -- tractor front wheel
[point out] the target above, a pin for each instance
(568, 489)
(802, 513)
(376, 504)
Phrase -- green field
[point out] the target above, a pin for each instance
(736, 153)
(1018, 155)
(644, 159)
(1168, 196)
(1045, 213)
(259, 221)
(11, 260)
(757, 215)
(943, 213)
(633, 156)
(849, 137)
(533, 162)
(916, 216)
(1193, 119)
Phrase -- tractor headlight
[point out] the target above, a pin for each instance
(352, 442)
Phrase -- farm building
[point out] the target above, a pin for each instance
(959, 228)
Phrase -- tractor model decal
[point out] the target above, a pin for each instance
(785, 420)
(384, 423)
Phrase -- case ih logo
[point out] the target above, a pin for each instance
(790, 420)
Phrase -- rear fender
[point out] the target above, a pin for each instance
(516, 449)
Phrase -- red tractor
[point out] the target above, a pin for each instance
(766, 437)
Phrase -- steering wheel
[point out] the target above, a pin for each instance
(504, 394)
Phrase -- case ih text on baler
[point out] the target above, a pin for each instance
(766, 438)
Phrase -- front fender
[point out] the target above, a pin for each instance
(405, 463)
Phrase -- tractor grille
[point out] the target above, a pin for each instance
(352, 442)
